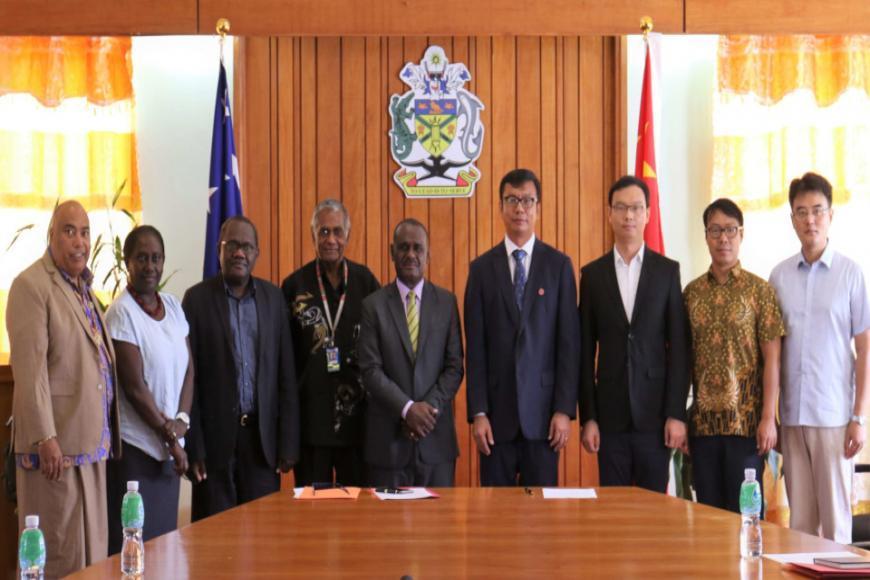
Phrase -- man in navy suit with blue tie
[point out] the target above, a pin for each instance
(523, 339)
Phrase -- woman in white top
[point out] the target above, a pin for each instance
(155, 372)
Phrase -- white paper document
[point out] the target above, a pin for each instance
(805, 557)
(569, 493)
(404, 493)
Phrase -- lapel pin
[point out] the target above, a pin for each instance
(540, 291)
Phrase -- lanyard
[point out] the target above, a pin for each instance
(331, 326)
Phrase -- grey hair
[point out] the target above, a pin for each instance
(331, 205)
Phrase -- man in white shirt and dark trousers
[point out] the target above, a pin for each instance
(824, 396)
(633, 394)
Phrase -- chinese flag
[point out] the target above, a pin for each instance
(645, 164)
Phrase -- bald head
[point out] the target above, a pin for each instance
(69, 237)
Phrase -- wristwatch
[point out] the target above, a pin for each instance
(860, 419)
(184, 418)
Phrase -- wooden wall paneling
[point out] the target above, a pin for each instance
(569, 73)
(528, 103)
(504, 117)
(486, 195)
(449, 17)
(462, 247)
(776, 17)
(308, 141)
(414, 48)
(553, 224)
(303, 231)
(274, 151)
(396, 199)
(328, 114)
(371, 231)
(484, 207)
(353, 138)
(591, 173)
(87, 17)
(289, 224)
(256, 150)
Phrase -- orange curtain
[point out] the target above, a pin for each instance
(67, 122)
(786, 105)
(67, 131)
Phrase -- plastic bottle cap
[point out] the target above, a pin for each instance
(31, 522)
(749, 474)
(134, 485)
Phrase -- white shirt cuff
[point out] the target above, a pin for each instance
(406, 407)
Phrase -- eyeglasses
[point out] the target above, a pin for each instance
(716, 232)
(526, 202)
(803, 214)
(233, 246)
(622, 208)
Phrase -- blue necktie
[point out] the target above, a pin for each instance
(519, 277)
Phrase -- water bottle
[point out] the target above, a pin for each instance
(132, 520)
(31, 550)
(750, 510)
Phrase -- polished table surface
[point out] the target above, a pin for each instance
(468, 532)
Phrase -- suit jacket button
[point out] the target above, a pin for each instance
(630, 336)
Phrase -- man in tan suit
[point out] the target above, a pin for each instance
(64, 407)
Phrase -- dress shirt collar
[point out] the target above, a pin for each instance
(527, 247)
(250, 290)
(733, 274)
(638, 257)
(826, 258)
(86, 276)
(403, 290)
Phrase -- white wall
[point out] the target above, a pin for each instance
(684, 139)
(175, 82)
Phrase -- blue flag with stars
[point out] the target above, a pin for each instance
(225, 196)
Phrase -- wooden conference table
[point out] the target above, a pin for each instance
(468, 532)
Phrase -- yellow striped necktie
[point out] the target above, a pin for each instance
(413, 320)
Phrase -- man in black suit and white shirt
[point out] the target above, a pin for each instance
(410, 355)
(245, 414)
(633, 404)
(522, 336)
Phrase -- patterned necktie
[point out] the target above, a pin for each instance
(519, 276)
(413, 320)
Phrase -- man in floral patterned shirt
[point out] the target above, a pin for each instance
(737, 331)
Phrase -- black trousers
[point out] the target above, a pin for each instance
(158, 486)
(634, 458)
(247, 477)
(317, 464)
(718, 462)
(520, 462)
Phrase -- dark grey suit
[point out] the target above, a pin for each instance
(393, 376)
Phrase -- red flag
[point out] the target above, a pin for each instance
(645, 161)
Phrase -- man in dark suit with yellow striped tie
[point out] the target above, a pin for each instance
(410, 354)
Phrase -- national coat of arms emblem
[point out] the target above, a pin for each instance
(437, 133)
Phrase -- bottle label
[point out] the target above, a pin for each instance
(31, 549)
(132, 511)
(750, 498)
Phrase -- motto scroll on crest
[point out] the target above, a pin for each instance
(436, 134)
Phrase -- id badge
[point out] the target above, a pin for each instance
(333, 359)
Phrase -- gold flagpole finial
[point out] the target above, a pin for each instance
(646, 26)
(222, 27)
